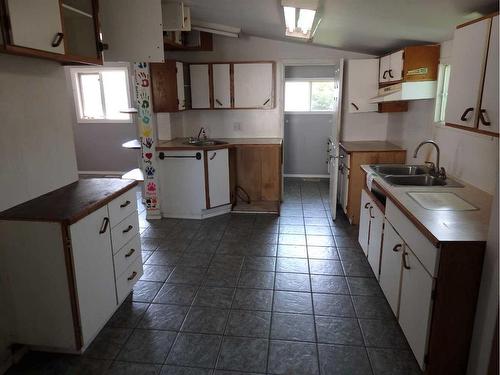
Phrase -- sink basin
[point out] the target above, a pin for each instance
(420, 180)
(400, 169)
(204, 142)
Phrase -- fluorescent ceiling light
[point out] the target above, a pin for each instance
(290, 18)
(299, 17)
(306, 19)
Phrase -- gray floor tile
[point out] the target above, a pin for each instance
(292, 220)
(176, 294)
(329, 284)
(108, 343)
(326, 267)
(202, 246)
(333, 305)
(321, 221)
(255, 263)
(253, 299)
(359, 268)
(145, 255)
(163, 258)
(351, 254)
(245, 354)
(320, 252)
(393, 362)
(194, 350)
(291, 229)
(205, 320)
(343, 360)
(149, 244)
(364, 286)
(292, 302)
(248, 323)
(147, 346)
(214, 297)
(256, 279)
(176, 370)
(335, 330)
(346, 242)
(292, 239)
(145, 291)
(260, 250)
(292, 251)
(128, 368)
(383, 334)
(370, 307)
(187, 275)
(296, 327)
(128, 315)
(166, 317)
(286, 358)
(156, 273)
(226, 372)
(222, 277)
(296, 282)
(200, 260)
(317, 230)
(313, 240)
(298, 265)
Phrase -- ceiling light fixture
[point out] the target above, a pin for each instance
(290, 18)
(215, 28)
(299, 17)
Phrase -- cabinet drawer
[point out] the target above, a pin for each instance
(423, 249)
(124, 231)
(122, 207)
(127, 280)
(127, 255)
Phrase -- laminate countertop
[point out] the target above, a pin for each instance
(369, 146)
(71, 202)
(178, 143)
(442, 226)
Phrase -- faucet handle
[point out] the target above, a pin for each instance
(442, 173)
(431, 165)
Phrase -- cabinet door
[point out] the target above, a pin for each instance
(164, 86)
(132, 29)
(362, 85)
(94, 273)
(253, 85)
(396, 69)
(46, 15)
(80, 28)
(222, 85)
(375, 241)
(391, 266)
(200, 86)
(489, 104)
(467, 66)
(218, 177)
(364, 221)
(385, 65)
(181, 95)
(416, 304)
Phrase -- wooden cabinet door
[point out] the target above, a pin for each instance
(488, 119)
(253, 85)
(36, 24)
(391, 266)
(467, 66)
(362, 85)
(364, 221)
(385, 65)
(218, 177)
(132, 29)
(181, 94)
(396, 69)
(200, 86)
(375, 241)
(415, 304)
(94, 272)
(164, 86)
(222, 85)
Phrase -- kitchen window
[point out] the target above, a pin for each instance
(442, 92)
(309, 95)
(100, 94)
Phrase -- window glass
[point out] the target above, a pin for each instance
(297, 96)
(91, 99)
(115, 97)
(322, 96)
(309, 96)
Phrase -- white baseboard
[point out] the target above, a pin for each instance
(103, 173)
(307, 175)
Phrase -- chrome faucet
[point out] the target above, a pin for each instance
(435, 169)
(201, 133)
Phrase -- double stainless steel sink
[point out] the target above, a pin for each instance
(411, 175)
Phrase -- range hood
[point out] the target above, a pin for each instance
(406, 91)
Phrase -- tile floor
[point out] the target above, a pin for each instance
(248, 294)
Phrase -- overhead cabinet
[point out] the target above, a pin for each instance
(233, 85)
(168, 88)
(362, 85)
(473, 90)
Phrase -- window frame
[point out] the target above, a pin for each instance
(78, 97)
(309, 81)
(443, 82)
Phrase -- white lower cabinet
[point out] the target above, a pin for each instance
(415, 304)
(218, 177)
(364, 221)
(391, 266)
(375, 240)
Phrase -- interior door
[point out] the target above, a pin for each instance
(334, 152)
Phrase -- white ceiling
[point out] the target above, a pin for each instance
(371, 26)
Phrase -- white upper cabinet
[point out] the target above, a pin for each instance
(222, 85)
(364, 221)
(385, 65)
(391, 67)
(47, 35)
(253, 85)
(200, 86)
(181, 94)
(362, 85)
(132, 30)
(218, 177)
(488, 117)
(467, 67)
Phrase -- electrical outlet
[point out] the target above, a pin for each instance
(237, 126)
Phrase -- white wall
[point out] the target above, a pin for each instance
(269, 123)
(36, 141)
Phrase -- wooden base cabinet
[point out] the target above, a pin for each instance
(64, 280)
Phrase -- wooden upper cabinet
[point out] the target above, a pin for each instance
(167, 85)
(222, 85)
(473, 90)
(254, 85)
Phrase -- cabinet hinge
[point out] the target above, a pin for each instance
(433, 294)
(426, 358)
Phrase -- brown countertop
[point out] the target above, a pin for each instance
(367, 146)
(178, 143)
(443, 226)
(71, 202)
